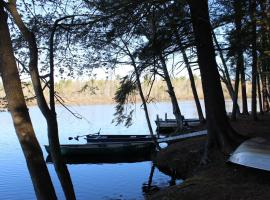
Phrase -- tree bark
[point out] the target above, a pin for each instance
(254, 58)
(267, 91)
(176, 109)
(227, 75)
(193, 86)
(228, 82)
(145, 107)
(239, 54)
(244, 90)
(266, 106)
(264, 59)
(49, 114)
(16, 104)
(236, 89)
(259, 93)
(220, 133)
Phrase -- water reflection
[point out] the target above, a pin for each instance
(151, 187)
(147, 187)
(149, 184)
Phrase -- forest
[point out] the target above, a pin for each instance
(225, 42)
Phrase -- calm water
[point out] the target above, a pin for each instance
(91, 181)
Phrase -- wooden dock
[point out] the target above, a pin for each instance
(182, 136)
(167, 126)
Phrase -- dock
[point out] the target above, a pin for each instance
(176, 138)
(170, 125)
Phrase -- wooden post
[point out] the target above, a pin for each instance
(157, 120)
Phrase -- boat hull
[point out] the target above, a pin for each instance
(96, 159)
(118, 138)
(106, 149)
(254, 153)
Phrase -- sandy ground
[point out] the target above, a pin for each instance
(218, 179)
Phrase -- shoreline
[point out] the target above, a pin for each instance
(95, 92)
(86, 103)
(217, 179)
(90, 103)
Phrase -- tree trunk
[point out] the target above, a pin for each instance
(191, 77)
(139, 85)
(193, 87)
(176, 109)
(59, 165)
(259, 93)
(244, 91)
(236, 88)
(16, 104)
(267, 91)
(220, 133)
(145, 107)
(254, 59)
(53, 134)
(49, 115)
(227, 75)
(239, 54)
(265, 60)
(266, 106)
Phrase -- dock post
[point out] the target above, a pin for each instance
(157, 120)
(166, 117)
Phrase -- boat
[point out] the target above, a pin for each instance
(254, 153)
(170, 125)
(118, 138)
(106, 149)
(111, 159)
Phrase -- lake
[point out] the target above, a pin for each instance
(91, 181)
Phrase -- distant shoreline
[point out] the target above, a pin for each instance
(101, 92)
